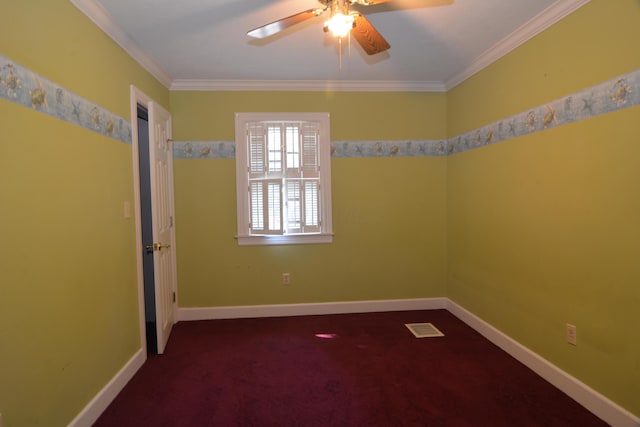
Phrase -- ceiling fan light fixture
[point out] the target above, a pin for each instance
(343, 23)
(340, 24)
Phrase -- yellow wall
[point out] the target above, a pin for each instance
(529, 234)
(388, 214)
(68, 291)
(543, 229)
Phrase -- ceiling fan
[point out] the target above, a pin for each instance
(342, 22)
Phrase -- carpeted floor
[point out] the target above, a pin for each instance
(338, 370)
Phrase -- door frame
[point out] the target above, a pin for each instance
(137, 97)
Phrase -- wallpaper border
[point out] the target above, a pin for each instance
(371, 148)
(22, 86)
(612, 95)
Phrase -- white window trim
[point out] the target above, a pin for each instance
(244, 237)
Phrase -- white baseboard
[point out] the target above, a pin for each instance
(598, 404)
(101, 401)
(281, 310)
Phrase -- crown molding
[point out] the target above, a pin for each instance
(307, 85)
(96, 13)
(554, 13)
(533, 27)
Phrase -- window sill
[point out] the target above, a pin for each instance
(285, 240)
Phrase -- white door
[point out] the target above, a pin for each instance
(164, 266)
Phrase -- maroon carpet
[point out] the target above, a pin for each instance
(373, 372)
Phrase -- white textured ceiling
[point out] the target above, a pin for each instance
(202, 44)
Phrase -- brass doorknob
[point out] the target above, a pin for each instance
(157, 247)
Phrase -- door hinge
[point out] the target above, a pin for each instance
(171, 221)
(174, 296)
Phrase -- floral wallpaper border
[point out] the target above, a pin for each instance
(615, 94)
(22, 86)
(400, 148)
(373, 148)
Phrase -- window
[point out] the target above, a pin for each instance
(283, 178)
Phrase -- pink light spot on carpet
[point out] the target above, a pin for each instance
(326, 336)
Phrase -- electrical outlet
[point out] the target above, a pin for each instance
(572, 334)
(286, 278)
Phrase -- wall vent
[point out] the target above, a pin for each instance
(424, 330)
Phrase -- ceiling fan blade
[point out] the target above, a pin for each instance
(368, 37)
(284, 23)
(423, 3)
(372, 2)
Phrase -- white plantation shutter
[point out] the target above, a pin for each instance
(274, 207)
(274, 149)
(310, 171)
(283, 156)
(311, 206)
(310, 151)
(292, 142)
(280, 166)
(266, 206)
(303, 206)
(256, 194)
(257, 142)
(294, 206)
